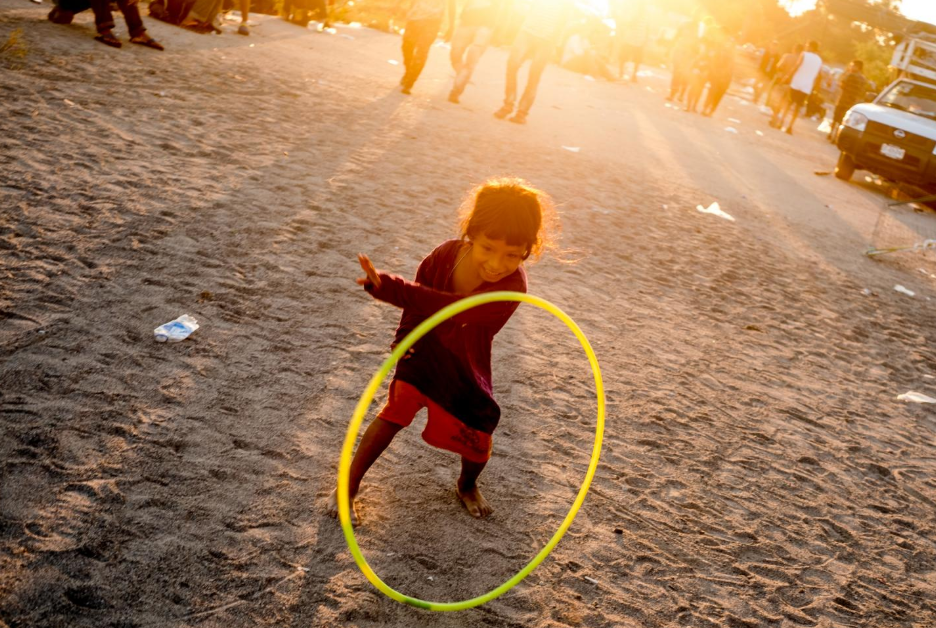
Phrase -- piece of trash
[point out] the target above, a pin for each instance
(764, 109)
(716, 210)
(68, 102)
(589, 580)
(430, 578)
(354, 25)
(915, 397)
(825, 126)
(393, 62)
(760, 133)
(929, 377)
(618, 531)
(589, 77)
(731, 129)
(902, 290)
(867, 292)
(665, 206)
(753, 328)
(822, 173)
(251, 45)
(177, 330)
(571, 149)
(331, 30)
(734, 120)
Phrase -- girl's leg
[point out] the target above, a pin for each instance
(377, 437)
(467, 489)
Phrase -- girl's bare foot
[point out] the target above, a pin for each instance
(332, 508)
(475, 503)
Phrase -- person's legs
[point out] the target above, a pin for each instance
(540, 59)
(467, 489)
(103, 18)
(131, 13)
(796, 109)
(514, 61)
(461, 41)
(377, 437)
(475, 51)
(245, 15)
(636, 55)
(423, 38)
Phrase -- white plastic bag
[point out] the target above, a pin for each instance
(177, 330)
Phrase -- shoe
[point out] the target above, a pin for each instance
(243, 30)
(107, 37)
(789, 131)
(58, 16)
(518, 118)
(503, 112)
(406, 90)
(146, 40)
(453, 97)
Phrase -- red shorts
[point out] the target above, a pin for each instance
(442, 429)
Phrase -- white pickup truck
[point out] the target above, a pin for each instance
(894, 136)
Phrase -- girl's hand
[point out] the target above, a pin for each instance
(372, 277)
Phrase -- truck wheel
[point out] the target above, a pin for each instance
(845, 167)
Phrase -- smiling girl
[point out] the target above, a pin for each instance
(448, 371)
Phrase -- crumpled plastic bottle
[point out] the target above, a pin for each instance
(177, 330)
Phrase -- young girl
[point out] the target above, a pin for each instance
(449, 370)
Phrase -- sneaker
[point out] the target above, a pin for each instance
(406, 90)
(518, 118)
(243, 30)
(503, 112)
(453, 97)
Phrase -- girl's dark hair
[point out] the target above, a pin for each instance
(512, 210)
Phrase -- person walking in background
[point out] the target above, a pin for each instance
(720, 73)
(470, 40)
(65, 12)
(803, 80)
(422, 26)
(685, 49)
(853, 86)
(784, 66)
(537, 41)
(702, 66)
(631, 37)
(766, 69)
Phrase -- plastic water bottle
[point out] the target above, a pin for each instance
(177, 330)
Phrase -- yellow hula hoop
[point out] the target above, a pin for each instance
(344, 465)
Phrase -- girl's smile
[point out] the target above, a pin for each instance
(495, 259)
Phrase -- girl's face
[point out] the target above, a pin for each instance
(494, 259)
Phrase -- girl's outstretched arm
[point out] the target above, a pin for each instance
(427, 301)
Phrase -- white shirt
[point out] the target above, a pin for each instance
(805, 76)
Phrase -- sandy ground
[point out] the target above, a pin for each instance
(757, 470)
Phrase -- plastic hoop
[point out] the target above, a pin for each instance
(344, 465)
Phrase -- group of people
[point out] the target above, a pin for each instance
(543, 30)
(471, 34)
(199, 15)
(702, 56)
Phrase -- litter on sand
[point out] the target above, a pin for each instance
(589, 77)
(716, 210)
(589, 580)
(571, 149)
(915, 397)
(760, 133)
(731, 129)
(902, 290)
(393, 62)
(177, 330)
(822, 173)
(734, 121)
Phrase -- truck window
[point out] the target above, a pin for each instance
(918, 99)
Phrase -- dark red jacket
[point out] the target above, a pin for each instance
(451, 364)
